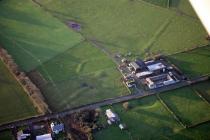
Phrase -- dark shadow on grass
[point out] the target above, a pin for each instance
(184, 66)
(174, 3)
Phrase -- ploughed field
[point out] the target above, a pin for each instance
(14, 102)
(151, 117)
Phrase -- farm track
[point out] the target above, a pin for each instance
(95, 105)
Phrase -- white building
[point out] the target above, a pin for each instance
(22, 136)
(156, 66)
(57, 128)
(44, 137)
(113, 117)
(122, 126)
(135, 66)
(159, 81)
(143, 74)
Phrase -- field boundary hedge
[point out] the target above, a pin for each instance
(198, 123)
(201, 96)
(187, 50)
(170, 111)
(28, 86)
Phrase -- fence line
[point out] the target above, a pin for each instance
(201, 96)
(171, 112)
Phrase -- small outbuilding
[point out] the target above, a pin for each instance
(159, 81)
(122, 126)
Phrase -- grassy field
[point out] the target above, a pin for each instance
(76, 72)
(187, 105)
(6, 135)
(193, 63)
(132, 26)
(14, 103)
(163, 3)
(83, 74)
(31, 35)
(148, 119)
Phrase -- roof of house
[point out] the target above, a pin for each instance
(135, 65)
(156, 66)
(110, 114)
(58, 127)
(158, 77)
(144, 73)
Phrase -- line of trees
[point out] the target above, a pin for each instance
(31, 89)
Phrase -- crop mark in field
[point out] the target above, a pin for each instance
(81, 66)
(148, 46)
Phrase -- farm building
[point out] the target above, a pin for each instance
(138, 65)
(135, 66)
(122, 126)
(112, 117)
(159, 81)
(143, 74)
(57, 128)
(22, 136)
(156, 66)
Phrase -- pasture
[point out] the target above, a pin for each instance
(147, 118)
(14, 102)
(31, 35)
(193, 63)
(187, 105)
(81, 75)
(133, 26)
(76, 72)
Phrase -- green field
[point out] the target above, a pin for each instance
(82, 75)
(76, 72)
(14, 102)
(146, 115)
(132, 26)
(6, 135)
(31, 35)
(203, 89)
(193, 63)
(148, 119)
(187, 105)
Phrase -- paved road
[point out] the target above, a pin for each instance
(99, 104)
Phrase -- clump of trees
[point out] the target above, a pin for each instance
(82, 124)
(126, 106)
(31, 89)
